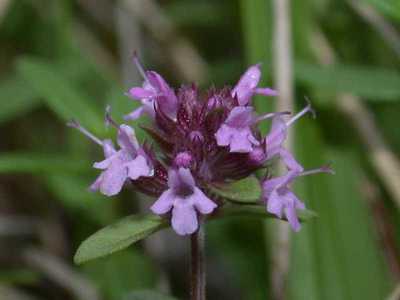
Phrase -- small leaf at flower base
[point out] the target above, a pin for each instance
(118, 236)
(247, 190)
(147, 295)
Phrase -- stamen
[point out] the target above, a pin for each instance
(108, 119)
(271, 115)
(75, 124)
(305, 110)
(139, 66)
(323, 169)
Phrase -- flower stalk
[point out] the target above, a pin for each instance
(197, 268)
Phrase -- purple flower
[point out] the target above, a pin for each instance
(154, 92)
(129, 162)
(277, 135)
(281, 200)
(235, 132)
(247, 86)
(185, 200)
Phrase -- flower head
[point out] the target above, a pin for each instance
(205, 140)
(185, 199)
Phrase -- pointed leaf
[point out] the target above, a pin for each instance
(118, 236)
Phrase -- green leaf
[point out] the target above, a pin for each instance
(369, 82)
(16, 99)
(147, 295)
(118, 236)
(40, 163)
(61, 97)
(247, 190)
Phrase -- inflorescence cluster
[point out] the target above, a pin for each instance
(205, 139)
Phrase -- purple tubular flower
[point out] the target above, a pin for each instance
(281, 200)
(277, 135)
(155, 91)
(185, 200)
(236, 131)
(247, 86)
(129, 162)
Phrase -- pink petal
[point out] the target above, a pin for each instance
(157, 82)
(291, 215)
(252, 139)
(291, 203)
(127, 139)
(104, 164)
(276, 136)
(223, 135)
(244, 89)
(242, 141)
(275, 204)
(96, 184)
(184, 217)
(138, 167)
(140, 93)
(113, 180)
(266, 92)
(270, 184)
(290, 161)
(164, 203)
(108, 148)
(240, 117)
(136, 114)
(166, 98)
(202, 203)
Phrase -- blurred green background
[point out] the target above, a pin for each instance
(61, 59)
